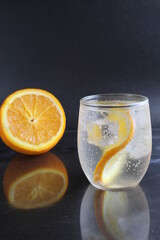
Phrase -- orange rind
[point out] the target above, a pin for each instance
(110, 163)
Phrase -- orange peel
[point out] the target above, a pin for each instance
(125, 136)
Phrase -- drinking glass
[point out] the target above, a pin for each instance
(114, 139)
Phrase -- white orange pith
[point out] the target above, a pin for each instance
(108, 166)
(32, 182)
(32, 121)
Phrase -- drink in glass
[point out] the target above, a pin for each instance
(114, 139)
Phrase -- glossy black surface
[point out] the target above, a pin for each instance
(136, 214)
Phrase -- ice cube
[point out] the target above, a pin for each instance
(102, 132)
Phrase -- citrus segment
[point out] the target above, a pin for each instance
(31, 182)
(113, 167)
(32, 121)
(125, 134)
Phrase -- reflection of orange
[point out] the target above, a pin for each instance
(98, 207)
(37, 181)
(32, 121)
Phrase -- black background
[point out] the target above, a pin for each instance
(77, 48)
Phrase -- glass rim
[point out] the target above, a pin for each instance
(89, 100)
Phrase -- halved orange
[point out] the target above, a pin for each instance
(35, 181)
(32, 121)
(109, 165)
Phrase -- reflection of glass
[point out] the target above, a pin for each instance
(122, 215)
(114, 139)
(35, 181)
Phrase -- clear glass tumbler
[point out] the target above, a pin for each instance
(114, 139)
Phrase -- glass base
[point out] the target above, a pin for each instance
(115, 189)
